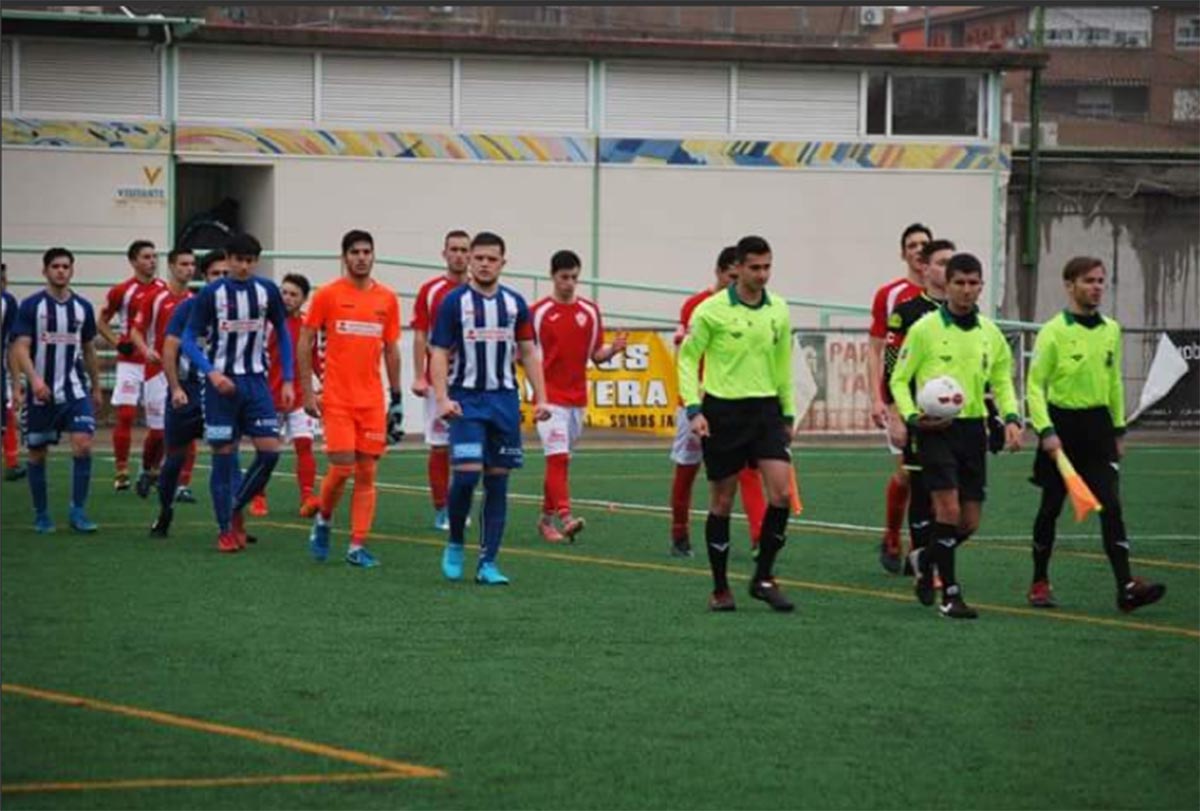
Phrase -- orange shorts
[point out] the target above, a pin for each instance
(357, 429)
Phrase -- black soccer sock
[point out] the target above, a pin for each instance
(920, 512)
(944, 541)
(774, 535)
(1043, 529)
(1116, 545)
(716, 535)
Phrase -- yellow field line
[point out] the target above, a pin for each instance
(266, 738)
(895, 596)
(201, 782)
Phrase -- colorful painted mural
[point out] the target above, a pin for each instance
(140, 136)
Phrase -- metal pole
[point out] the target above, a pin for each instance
(928, 26)
(1031, 248)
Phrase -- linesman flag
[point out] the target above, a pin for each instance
(1082, 498)
(794, 492)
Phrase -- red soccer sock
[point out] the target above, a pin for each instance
(185, 475)
(362, 501)
(558, 494)
(306, 466)
(12, 445)
(123, 435)
(332, 486)
(753, 502)
(152, 449)
(897, 503)
(681, 500)
(439, 475)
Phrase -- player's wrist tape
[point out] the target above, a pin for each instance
(912, 420)
(1045, 432)
(692, 411)
(1014, 419)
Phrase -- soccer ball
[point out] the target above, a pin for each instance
(941, 397)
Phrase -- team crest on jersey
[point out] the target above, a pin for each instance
(1108, 359)
(580, 319)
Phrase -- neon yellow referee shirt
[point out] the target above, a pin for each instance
(1076, 364)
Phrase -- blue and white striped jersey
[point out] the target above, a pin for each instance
(188, 374)
(234, 314)
(8, 319)
(481, 334)
(57, 332)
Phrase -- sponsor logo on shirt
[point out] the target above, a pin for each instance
(240, 325)
(366, 329)
(60, 338)
(488, 333)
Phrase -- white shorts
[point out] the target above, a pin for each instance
(157, 392)
(128, 388)
(295, 425)
(437, 431)
(685, 450)
(560, 433)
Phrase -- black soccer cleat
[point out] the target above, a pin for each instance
(161, 527)
(145, 481)
(923, 579)
(889, 560)
(681, 548)
(721, 601)
(769, 592)
(1137, 593)
(955, 608)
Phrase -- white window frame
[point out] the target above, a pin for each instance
(1189, 18)
(986, 88)
(274, 123)
(19, 110)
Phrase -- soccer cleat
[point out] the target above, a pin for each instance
(572, 527)
(120, 481)
(80, 522)
(161, 527)
(14, 473)
(769, 592)
(721, 601)
(548, 531)
(360, 557)
(239, 530)
(681, 548)
(1041, 595)
(43, 525)
(923, 580)
(318, 539)
(452, 561)
(184, 495)
(489, 575)
(955, 608)
(227, 543)
(1137, 593)
(258, 505)
(145, 482)
(889, 559)
(441, 520)
(309, 506)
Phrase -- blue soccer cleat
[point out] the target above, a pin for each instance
(43, 525)
(318, 540)
(452, 561)
(81, 523)
(488, 575)
(441, 520)
(359, 556)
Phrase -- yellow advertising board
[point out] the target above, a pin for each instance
(635, 391)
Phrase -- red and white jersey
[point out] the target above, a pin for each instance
(123, 301)
(152, 316)
(275, 369)
(425, 308)
(685, 319)
(895, 292)
(568, 334)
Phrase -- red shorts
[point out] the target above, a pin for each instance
(359, 429)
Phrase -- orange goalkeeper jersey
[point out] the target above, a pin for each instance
(357, 323)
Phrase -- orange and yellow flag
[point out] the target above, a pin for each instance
(1082, 498)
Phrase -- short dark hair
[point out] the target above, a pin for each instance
(1079, 265)
(243, 245)
(933, 246)
(751, 245)
(564, 260)
(963, 263)
(175, 253)
(484, 238)
(209, 259)
(300, 280)
(915, 228)
(457, 233)
(136, 247)
(356, 235)
(727, 258)
(52, 254)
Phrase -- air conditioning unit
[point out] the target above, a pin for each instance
(443, 10)
(870, 16)
(1049, 133)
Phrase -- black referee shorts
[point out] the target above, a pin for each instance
(955, 458)
(1090, 442)
(741, 432)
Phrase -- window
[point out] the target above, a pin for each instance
(935, 105)
(1187, 104)
(1097, 36)
(83, 77)
(1096, 27)
(1094, 102)
(1130, 39)
(1187, 31)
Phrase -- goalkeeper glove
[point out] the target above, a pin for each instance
(395, 424)
(995, 426)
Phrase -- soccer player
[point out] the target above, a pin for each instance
(123, 301)
(685, 450)
(746, 413)
(912, 242)
(481, 329)
(570, 332)
(296, 424)
(1077, 406)
(456, 251)
(10, 385)
(54, 348)
(360, 318)
(147, 332)
(961, 343)
(183, 420)
(233, 312)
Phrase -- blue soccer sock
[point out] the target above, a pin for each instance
(37, 486)
(256, 478)
(462, 488)
(168, 476)
(81, 479)
(220, 485)
(495, 515)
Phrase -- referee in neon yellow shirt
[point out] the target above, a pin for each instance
(745, 414)
(1077, 405)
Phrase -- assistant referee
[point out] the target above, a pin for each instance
(745, 416)
(1077, 405)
